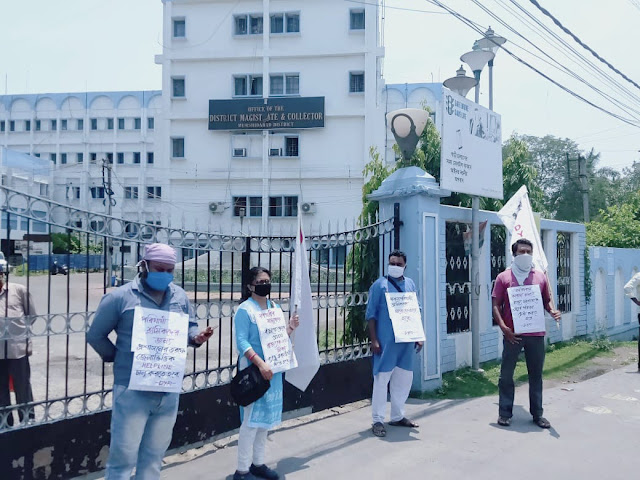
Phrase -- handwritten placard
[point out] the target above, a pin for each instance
(406, 319)
(526, 309)
(159, 346)
(276, 346)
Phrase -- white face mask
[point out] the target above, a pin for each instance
(396, 271)
(523, 261)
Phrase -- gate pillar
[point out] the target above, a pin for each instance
(417, 196)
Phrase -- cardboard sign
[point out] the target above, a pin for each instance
(526, 309)
(159, 346)
(406, 319)
(276, 346)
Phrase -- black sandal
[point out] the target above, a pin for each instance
(542, 422)
(405, 422)
(504, 421)
(378, 429)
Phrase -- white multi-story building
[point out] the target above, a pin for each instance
(84, 135)
(268, 53)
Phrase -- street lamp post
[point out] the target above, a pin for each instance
(461, 84)
(476, 59)
(407, 124)
(490, 43)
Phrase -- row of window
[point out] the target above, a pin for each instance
(152, 192)
(242, 147)
(248, 85)
(130, 157)
(134, 123)
(279, 206)
(130, 193)
(279, 23)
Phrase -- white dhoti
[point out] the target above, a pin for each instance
(399, 381)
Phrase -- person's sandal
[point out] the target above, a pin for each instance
(542, 422)
(504, 421)
(405, 422)
(262, 471)
(378, 429)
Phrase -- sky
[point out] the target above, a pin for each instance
(96, 45)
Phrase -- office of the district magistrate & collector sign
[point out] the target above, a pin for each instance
(266, 113)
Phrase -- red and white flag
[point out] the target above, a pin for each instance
(305, 344)
(517, 216)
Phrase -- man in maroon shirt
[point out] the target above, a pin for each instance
(520, 273)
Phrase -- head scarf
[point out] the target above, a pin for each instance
(159, 252)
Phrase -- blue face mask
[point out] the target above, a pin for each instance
(159, 280)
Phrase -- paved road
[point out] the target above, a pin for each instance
(595, 435)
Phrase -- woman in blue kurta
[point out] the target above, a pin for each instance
(266, 412)
(392, 362)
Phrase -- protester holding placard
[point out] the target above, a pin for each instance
(262, 338)
(153, 321)
(392, 359)
(510, 286)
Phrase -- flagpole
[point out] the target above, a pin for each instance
(552, 303)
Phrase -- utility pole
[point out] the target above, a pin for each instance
(584, 183)
(109, 202)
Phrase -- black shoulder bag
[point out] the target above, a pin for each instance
(248, 385)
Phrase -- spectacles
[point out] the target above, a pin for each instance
(263, 282)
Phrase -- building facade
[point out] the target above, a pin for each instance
(252, 180)
(170, 166)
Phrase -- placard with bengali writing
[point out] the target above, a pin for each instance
(526, 309)
(276, 346)
(159, 346)
(405, 315)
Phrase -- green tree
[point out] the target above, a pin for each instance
(73, 243)
(518, 169)
(617, 226)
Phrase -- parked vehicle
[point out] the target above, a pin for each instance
(56, 268)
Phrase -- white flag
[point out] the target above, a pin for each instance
(517, 216)
(305, 345)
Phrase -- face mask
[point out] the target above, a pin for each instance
(262, 290)
(396, 271)
(523, 261)
(159, 280)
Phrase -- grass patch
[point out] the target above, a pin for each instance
(561, 359)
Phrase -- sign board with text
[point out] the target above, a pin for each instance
(405, 315)
(276, 346)
(159, 346)
(266, 113)
(471, 158)
(526, 309)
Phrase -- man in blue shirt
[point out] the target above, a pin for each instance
(141, 421)
(392, 362)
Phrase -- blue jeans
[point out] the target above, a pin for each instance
(141, 429)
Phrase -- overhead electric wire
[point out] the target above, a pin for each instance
(589, 63)
(472, 25)
(620, 104)
(581, 43)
